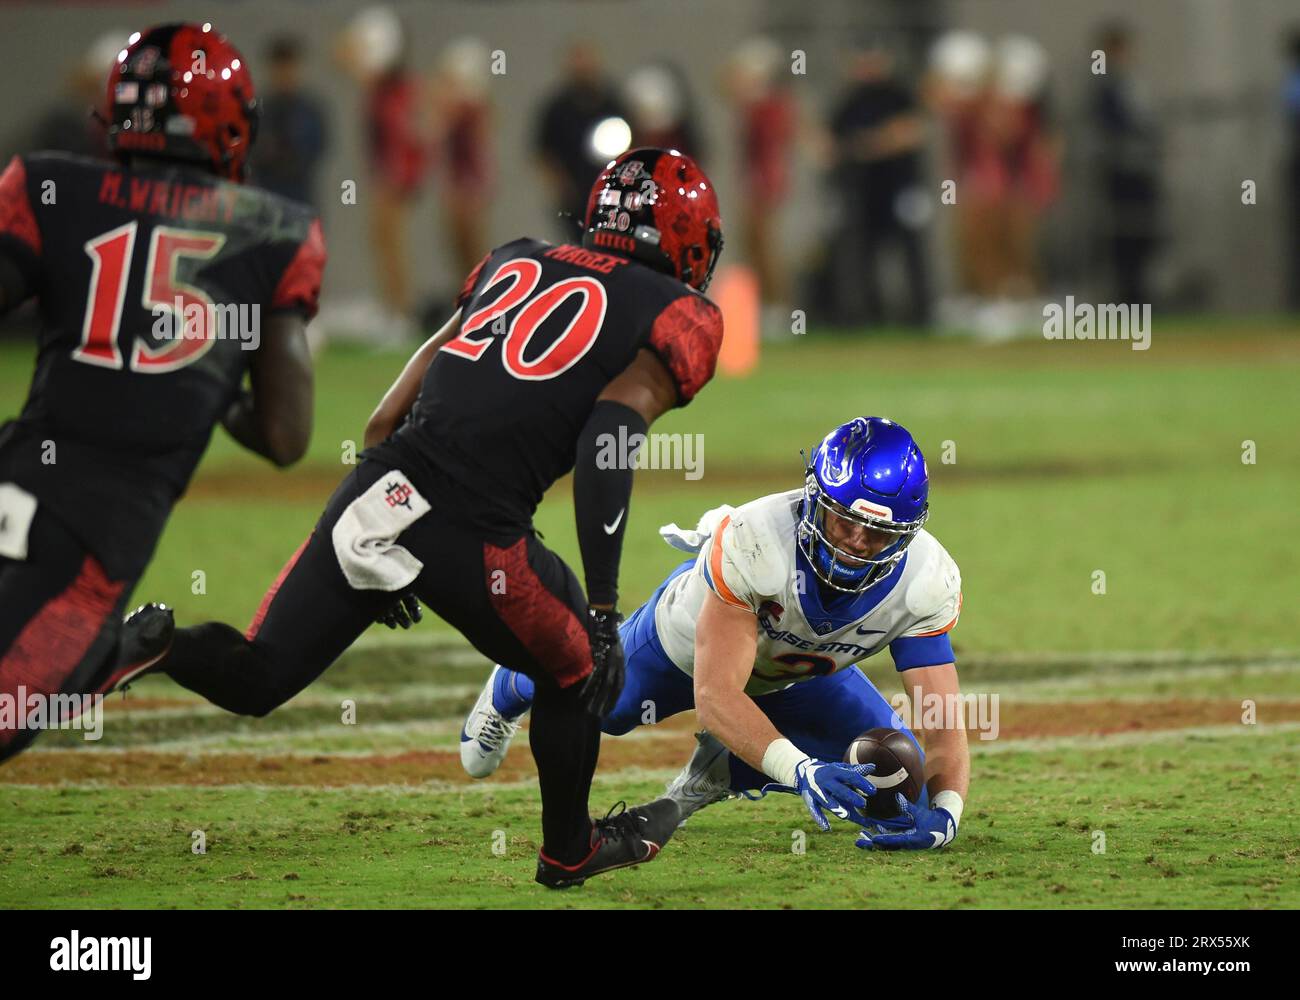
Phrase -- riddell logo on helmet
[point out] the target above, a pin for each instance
(614, 241)
(874, 509)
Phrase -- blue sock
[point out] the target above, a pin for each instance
(512, 693)
(744, 778)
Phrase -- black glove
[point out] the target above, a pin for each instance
(601, 690)
(405, 611)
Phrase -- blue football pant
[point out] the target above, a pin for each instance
(820, 716)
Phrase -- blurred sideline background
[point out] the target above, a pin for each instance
(830, 125)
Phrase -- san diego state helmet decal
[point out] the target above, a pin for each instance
(656, 206)
(866, 472)
(182, 92)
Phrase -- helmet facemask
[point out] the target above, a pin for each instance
(839, 569)
(713, 252)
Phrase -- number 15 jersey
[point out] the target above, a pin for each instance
(154, 286)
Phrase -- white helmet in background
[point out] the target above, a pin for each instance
(1023, 68)
(962, 60)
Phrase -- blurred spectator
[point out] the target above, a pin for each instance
(373, 50)
(1004, 156)
(758, 87)
(464, 115)
(877, 130)
(959, 91)
(1291, 102)
(292, 135)
(1129, 165)
(579, 131)
(663, 114)
(1021, 123)
(69, 126)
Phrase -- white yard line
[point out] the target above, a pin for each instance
(442, 733)
(1111, 741)
(390, 696)
(1092, 687)
(458, 653)
(431, 787)
(1032, 745)
(1027, 689)
(1135, 658)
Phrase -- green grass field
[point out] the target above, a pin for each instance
(1121, 712)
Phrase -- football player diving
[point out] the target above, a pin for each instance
(760, 631)
(551, 349)
(122, 405)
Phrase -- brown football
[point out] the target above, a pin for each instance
(898, 768)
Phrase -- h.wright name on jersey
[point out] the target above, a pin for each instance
(749, 558)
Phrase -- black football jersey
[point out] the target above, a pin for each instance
(153, 287)
(543, 330)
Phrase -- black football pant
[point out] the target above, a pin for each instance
(517, 603)
(60, 616)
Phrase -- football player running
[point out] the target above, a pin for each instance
(760, 633)
(551, 351)
(135, 265)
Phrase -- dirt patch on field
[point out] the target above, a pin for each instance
(1102, 718)
(666, 746)
(121, 704)
(306, 484)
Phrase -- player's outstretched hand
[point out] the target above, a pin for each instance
(402, 613)
(838, 788)
(929, 828)
(600, 692)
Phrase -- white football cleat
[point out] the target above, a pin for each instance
(486, 735)
(705, 779)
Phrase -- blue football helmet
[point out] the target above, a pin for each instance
(869, 473)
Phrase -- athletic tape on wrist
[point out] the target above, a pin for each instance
(950, 800)
(780, 760)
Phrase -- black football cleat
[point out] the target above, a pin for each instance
(145, 639)
(623, 838)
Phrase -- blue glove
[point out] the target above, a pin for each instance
(839, 788)
(927, 828)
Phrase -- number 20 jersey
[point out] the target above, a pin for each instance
(543, 330)
(124, 398)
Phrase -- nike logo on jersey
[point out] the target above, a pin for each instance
(870, 631)
(611, 528)
(812, 645)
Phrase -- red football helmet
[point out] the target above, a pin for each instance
(183, 92)
(656, 206)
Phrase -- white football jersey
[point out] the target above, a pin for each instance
(748, 557)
